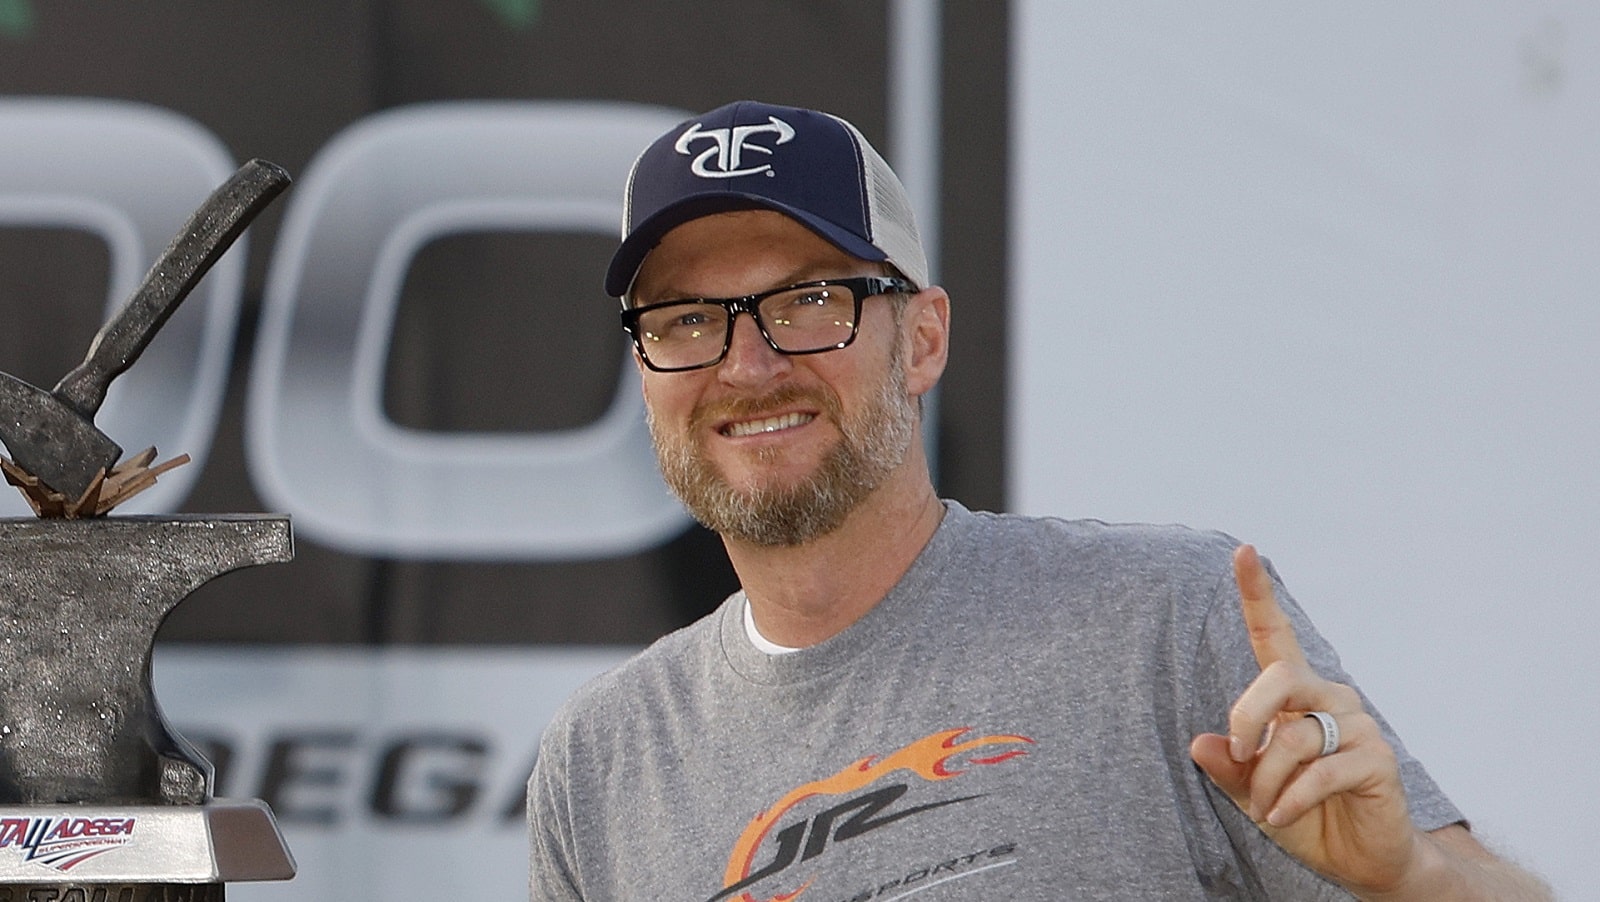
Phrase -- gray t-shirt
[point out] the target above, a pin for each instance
(1011, 722)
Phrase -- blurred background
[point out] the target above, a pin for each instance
(1319, 279)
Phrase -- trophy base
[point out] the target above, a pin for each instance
(135, 853)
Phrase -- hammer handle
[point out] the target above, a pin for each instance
(204, 238)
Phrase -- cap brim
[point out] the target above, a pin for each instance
(630, 255)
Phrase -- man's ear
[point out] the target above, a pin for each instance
(927, 332)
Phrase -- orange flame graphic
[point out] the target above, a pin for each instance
(928, 758)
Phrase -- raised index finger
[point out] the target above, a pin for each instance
(1271, 633)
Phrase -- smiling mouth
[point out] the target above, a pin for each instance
(770, 424)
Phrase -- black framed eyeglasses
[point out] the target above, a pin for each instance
(808, 318)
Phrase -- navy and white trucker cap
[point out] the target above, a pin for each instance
(811, 166)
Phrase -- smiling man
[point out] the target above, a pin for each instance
(761, 456)
(906, 696)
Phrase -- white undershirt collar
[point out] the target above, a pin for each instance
(761, 642)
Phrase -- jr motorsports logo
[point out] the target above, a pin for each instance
(724, 156)
(64, 843)
(937, 758)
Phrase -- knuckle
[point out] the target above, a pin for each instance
(1245, 717)
(1240, 712)
(1278, 670)
(1348, 698)
(1316, 782)
(1263, 633)
(1364, 730)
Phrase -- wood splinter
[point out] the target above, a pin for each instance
(106, 491)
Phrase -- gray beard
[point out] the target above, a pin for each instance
(872, 445)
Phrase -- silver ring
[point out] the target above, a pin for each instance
(1330, 732)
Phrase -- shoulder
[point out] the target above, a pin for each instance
(1097, 549)
(1078, 579)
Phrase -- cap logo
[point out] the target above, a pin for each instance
(724, 158)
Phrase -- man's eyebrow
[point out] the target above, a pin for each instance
(809, 272)
(825, 262)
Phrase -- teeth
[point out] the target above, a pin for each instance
(771, 424)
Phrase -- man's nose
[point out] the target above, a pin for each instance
(750, 359)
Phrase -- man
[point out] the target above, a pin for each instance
(907, 696)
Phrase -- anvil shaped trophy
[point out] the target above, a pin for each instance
(100, 801)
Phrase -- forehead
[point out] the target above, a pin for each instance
(738, 252)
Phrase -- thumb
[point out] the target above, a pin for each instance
(1210, 751)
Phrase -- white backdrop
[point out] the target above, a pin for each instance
(1325, 277)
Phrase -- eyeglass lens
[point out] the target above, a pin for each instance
(797, 321)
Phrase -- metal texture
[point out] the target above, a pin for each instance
(80, 603)
(52, 434)
(34, 422)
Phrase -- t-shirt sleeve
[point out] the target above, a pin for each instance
(1225, 666)
(551, 876)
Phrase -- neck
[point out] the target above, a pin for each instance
(803, 594)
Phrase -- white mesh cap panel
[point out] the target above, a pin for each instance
(889, 216)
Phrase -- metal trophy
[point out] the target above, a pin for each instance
(100, 801)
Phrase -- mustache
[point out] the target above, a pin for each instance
(779, 398)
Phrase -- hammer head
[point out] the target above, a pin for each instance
(51, 439)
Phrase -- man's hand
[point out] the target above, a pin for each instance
(1342, 814)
